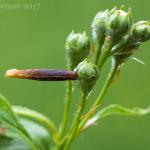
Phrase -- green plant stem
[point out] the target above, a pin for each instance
(37, 117)
(105, 52)
(76, 121)
(98, 51)
(100, 97)
(67, 109)
(102, 60)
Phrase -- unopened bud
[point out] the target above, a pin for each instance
(141, 31)
(118, 24)
(78, 47)
(99, 26)
(88, 74)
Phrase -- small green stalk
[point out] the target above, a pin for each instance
(105, 52)
(98, 52)
(67, 109)
(76, 121)
(102, 60)
(98, 101)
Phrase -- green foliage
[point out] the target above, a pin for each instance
(19, 133)
(39, 134)
(115, 109)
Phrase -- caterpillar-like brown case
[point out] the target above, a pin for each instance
(42, 74)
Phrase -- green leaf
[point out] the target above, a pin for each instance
(116, 109)
(38, 117)
(39, 133)
(12, 139)
(39, 126)
(7, 114)
(7, 143)
(12, 132)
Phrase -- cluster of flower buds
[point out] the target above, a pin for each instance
(113, 24)
(78, 48)
(140, 32)
(124, 36)
(113, 34)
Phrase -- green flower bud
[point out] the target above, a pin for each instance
(118, 24)
(78, 47)
(141, 31)
(99, 26)
(130, 44)
(88, 74)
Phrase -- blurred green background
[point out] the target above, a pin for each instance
(34, 38)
